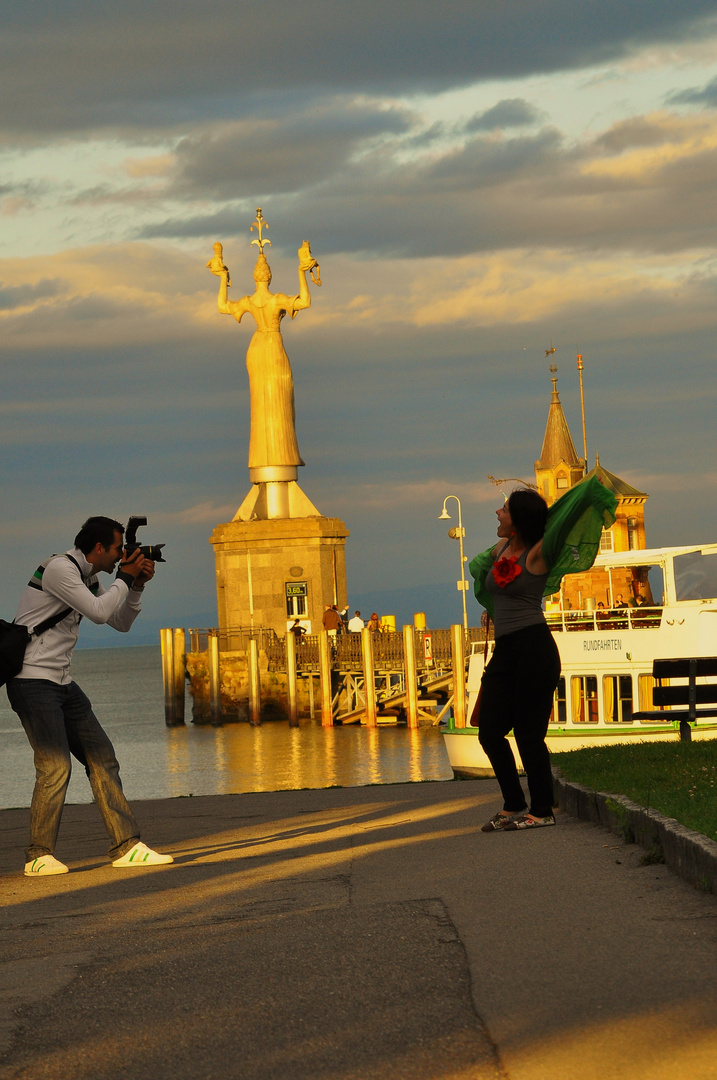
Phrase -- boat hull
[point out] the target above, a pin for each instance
(467, 757)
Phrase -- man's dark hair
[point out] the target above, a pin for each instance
(97, 530)
(528, 511)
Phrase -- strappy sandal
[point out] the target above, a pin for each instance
(527, 821)
(501, 821)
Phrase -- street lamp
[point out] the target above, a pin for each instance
(458, 534)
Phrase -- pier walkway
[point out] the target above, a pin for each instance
(353, 934)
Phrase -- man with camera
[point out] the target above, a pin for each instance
(56, 715)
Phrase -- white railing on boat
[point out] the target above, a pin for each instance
(638, 618)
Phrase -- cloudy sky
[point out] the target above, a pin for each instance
(478, 180)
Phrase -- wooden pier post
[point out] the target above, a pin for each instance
(215, 694)
(166, 637)
(290, 646)
(459, 675)
(409, 660)
(327, 711)
(180, 662)
(369, 676)
(254, 683)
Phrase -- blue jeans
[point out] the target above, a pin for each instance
(59, 721)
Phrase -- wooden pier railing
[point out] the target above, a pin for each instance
(373, 674)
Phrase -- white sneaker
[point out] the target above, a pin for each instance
(44, 866)
(141, 855)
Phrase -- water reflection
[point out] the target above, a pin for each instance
(274, 757)
(159, 762)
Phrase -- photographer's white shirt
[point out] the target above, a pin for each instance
(49, 656)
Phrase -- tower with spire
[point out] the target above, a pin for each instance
(559, 468)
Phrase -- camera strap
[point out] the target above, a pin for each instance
(35, 582)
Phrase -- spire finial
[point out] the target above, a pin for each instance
(260, 224)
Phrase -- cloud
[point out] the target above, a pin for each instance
(134, 295)
(640, 185)
(656, 150)
(93, 64)
(101, 295)
(203, 513)
(511, 112)
(16, 296)
(706, 95)
(282, 154)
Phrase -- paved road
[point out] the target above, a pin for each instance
(353, 934)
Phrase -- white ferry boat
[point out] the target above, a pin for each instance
(607, 657)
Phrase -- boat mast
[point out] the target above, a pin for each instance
(582, 409)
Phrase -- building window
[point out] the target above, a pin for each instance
(559, 713)
(562, 481)
(632, 534)
(295, 599)
(607, 541)
(617, 699)
(584, 695)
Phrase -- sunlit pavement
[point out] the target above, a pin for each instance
(353, 933)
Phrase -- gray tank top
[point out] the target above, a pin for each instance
(519, 604)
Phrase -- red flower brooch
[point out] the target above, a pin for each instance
(506, 570)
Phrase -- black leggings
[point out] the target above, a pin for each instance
(517, 693)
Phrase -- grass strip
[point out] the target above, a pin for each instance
(678, 779)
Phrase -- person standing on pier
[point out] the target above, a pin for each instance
(56, 715)
(538, 547)
(331, 620)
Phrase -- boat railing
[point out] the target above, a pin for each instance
(584, 621)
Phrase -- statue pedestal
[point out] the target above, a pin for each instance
(267, 569)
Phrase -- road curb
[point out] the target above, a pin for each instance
(690, 854)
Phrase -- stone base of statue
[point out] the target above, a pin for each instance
(272, 570)
(275, 494)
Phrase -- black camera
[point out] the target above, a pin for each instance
(150, 551)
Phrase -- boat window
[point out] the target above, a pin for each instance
(584, 697)
(559, 713)
(695, 576)
(646, 684)
(657, 585)
(617, 699)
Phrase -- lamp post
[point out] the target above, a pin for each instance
(458, 534)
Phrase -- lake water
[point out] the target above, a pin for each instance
(125, 687)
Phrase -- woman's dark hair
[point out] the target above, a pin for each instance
(97, 530)
(528, 511)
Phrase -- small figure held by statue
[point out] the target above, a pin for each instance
(216, 263)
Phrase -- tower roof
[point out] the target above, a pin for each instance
(614, 483)
(558, 443)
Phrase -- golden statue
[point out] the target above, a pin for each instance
(273, 448)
